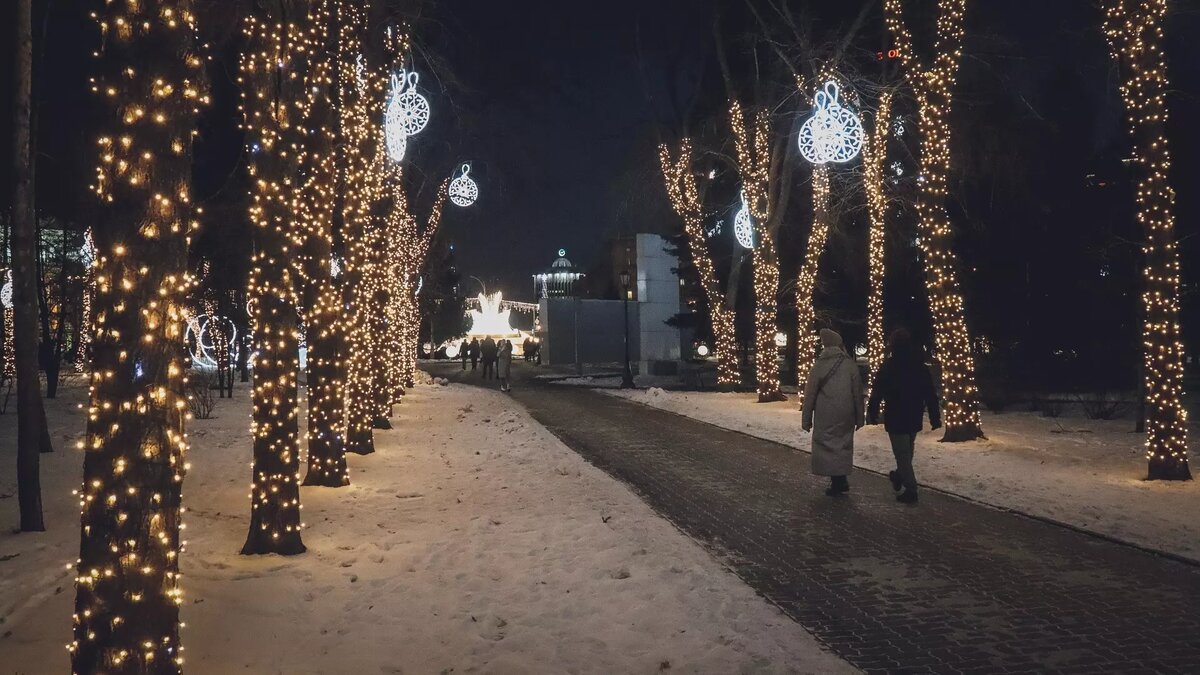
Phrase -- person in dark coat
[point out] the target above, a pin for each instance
(905, 389)
(464, 352)
(473, 350)
(833, 410)
(488, 352)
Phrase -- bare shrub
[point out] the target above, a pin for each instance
(201, 399)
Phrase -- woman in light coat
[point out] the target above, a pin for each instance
(833, 410)
(504, 364)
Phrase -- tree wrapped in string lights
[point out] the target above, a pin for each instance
(679, 175)
(754, 165)
(874, 159)
(933, 85)
(321, 295)
(1134, 29)
(808, 342)
(362, 168)
(273, 83)
(151, 85)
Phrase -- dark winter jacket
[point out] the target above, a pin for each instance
(905, 387)
(489, 350)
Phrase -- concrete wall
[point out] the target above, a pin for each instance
(658, 300)
(601, 336)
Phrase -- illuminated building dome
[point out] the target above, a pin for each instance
(560, 281)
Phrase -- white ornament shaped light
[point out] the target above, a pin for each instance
(463, 190)
(834, 133)
(743, 226)
(412, 107)
(395, 133)
(6, 293)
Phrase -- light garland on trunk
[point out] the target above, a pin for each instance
(754, 164)
(808, 341)
(1135, 37)
(933, 86)
(680, 178)
(874, 159)
(151, 85)
(273, 88)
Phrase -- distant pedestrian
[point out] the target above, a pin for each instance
(464, 352)
(904, 386)
(504, 365)
(474, 349)
(527, 349)
(833, 410)
(488, 352)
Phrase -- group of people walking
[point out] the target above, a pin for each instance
(903, 390)
(496, 358)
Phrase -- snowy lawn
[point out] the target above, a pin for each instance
(1085, 473)
(472, 541)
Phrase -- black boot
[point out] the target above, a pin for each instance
(907, 497)
(897, 482)
(837, 485)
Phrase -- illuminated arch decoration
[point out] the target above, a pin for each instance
(464, 190)
(743, 226)
(834, 133)
(198, 336)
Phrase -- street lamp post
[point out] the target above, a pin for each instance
(627, 377)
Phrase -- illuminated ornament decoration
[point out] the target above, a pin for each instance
(833, 133)
(6, 293)
(335, 268)
(743, 226)
(395, 131)
(702, 350)
(420, 285)
(452, 350)
(412, 107)
(200, 329)
(463, 190)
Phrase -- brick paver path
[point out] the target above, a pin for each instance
(946, 586)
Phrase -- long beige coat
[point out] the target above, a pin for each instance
(833, 409)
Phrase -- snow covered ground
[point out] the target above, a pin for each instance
(472, 541)
(1085, 473)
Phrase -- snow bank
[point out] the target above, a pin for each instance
(472, 541)
(1085, 473)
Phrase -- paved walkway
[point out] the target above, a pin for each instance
(947, 586)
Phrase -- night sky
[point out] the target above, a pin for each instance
(559, 107)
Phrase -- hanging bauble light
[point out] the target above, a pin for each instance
(743, 226)
(413, 107)
(463, 190)
(6, 292)
(833, 133)
(395, 134)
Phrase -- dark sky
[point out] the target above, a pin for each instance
(548, 101)
(553, 110)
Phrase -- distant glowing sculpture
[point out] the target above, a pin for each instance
(490, 319)
(743, 226)
(463, 190)
(833, 133)
(199, 331)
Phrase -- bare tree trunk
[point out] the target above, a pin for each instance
(31, 416)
